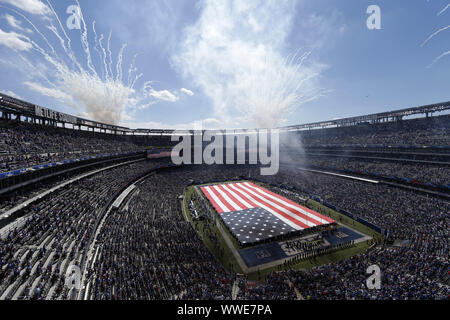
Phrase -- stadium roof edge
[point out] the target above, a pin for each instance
(11, 105)
(376, 117)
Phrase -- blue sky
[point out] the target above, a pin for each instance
(227, 63)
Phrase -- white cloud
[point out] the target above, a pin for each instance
(30, 6)
(149, 125)
(126, 117)
(17, 24)
(15, 41)
(11, 94)
(187, 91)
(209, 123)
(164, 95)
(96, 89)
(236, 53)
(49, 92)
(162, 30)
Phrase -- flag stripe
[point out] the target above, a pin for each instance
(239, 201)
(243, 196)
(298, 225)
(286, 212)
(297, 214)
(214, 200)
(206, 193)
(294, 209)
(238, 197)
(228, 206)
(321, 218)
(227, 198)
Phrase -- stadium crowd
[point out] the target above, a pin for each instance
(418, 172)
(419, 270)
(35, 253)
(146, 249)
(24, 145)
(397, 210)
(149, 251)
(276, 287)
(407, 273)
(410, 133)
(129, 245)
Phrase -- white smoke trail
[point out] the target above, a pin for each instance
(132, 69)
(110, 54)
(102, 99)
(235, 52)
(439, 58)
(444, 9)
(102, 55)
(270, 94)
(139, 76)
(85, 42)
(105, 65)
(96, 46)
(53, 29)
(119, 70)
(435, 34)
(69, 50)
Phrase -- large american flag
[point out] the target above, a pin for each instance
(253, 213)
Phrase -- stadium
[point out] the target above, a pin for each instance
(367, 190)
(224, 157)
